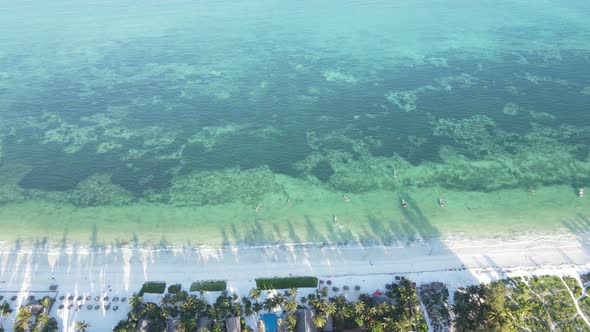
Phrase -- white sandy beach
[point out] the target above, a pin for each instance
(121, 271)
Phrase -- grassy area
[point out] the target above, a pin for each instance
(155, 287)
(175, 288)
(286, 283)
(208, 286)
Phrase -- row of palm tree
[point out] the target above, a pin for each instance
(26, 321)
(402, 313)
(187, 308)
(5, 311)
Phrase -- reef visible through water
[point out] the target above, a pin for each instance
(238, 118)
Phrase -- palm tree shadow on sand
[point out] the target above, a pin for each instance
(580, 227)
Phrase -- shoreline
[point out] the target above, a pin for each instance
(558, 235)
(530, 250)
(121, 271)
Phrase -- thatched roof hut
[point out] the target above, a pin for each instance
(281, 325)
(305, 321)
(35, 307)
(378, 299)
(173, 325)
(204, 323)
(329, 327)
(143, 325)
(233, 324)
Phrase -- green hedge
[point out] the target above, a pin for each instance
(209, 286)
(175, 288)
(155, 287)
(286, 283)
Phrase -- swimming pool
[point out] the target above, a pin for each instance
(270, 321)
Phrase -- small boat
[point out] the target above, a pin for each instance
(581, 192)
(441, 202)
(404, 203)
(259, 207)
(346, 198)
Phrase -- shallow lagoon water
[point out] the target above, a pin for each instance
(173, 121)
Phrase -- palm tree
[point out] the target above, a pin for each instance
(151, 310)
(167, 312)
(268, 304)
(247, 306)
(180, 296)
(291, 322)
(323, 292)
(166, 300)
(329, 308)
(359, 308)
(22, 322)
(190, 306)
(291, 304)
(255, 294)
(292, 292)
(46, 302)
(314, 301)
(135, 301)
(278, 300)
(257, 307)
(319, 320)
(45, 323)
(303, 299)
(343, 308)
(82, 326)
(188, 324)
(124, 326)
(5, 311)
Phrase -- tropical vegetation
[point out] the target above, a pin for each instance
(82, 326)
(547, 303)
(543, 303)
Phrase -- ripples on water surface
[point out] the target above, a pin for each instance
(162, 117)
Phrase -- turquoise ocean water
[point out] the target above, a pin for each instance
(262, 121)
